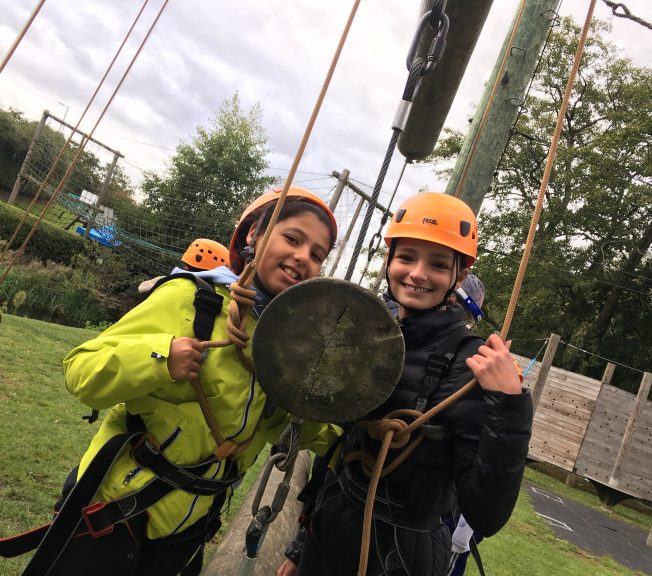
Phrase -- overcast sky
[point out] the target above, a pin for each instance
(274, 52)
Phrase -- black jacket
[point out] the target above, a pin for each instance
(479, 446)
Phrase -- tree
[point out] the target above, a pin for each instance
(589, 275)
(210, 179)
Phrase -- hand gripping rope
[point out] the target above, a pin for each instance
(392, 431)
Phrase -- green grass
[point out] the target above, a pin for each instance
(57, 215)
(42, 435)
(527, 545)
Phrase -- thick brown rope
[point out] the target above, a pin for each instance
(237, 310)
(393, 436)
(242, 297)
(20, 35)
(82, 144)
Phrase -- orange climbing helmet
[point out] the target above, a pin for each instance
(271, 196)
(438, 218)
(206, 254)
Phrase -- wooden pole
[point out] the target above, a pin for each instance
(103, 191)
(546, 363)
(344, 241)
(22, 174)
(341, 182)
(607, 375)
(625, 445)
(498, 108)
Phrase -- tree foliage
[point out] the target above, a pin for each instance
(589, 277)
(211, 179)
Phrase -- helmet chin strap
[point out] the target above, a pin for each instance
(449, 292)
(249, 251)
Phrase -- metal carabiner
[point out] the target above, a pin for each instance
(433, 18)
(438, 45)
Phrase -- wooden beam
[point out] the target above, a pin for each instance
(625, 445)
(546, 363)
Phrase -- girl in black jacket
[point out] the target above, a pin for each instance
(478, 445)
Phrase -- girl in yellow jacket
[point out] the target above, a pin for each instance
(141, 367)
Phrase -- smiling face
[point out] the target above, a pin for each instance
(421, 273)
(295, 251)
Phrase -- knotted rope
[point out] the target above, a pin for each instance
(388, 428)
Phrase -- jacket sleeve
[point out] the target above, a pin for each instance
(129, 359)
(491, 438)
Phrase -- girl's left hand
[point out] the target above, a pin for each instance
(494, 368)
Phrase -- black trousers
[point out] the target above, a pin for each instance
(127, 552)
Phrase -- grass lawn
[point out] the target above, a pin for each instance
(42, 436)
(527, 546)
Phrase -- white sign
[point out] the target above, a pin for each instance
(88, 197)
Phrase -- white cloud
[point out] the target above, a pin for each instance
(275, 52)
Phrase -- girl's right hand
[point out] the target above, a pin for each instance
(494, 368)
(184, 358)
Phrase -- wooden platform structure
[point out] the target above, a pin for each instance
(592, 429)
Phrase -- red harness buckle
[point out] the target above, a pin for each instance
(86, 512)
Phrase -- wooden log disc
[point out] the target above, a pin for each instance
(328, 350)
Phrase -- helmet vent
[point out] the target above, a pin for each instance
(465, 228)
(399, 215)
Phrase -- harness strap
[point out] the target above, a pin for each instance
(473, 545)
(55, 538)
(147, 454)
(100, 518)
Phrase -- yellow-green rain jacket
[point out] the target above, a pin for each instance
(125, 369)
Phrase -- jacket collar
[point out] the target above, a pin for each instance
(419, 325)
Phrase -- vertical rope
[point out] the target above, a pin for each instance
(73, 164)
(238, 311)
(21, 35)
(550, 162)
(423, 418)
(65, 146)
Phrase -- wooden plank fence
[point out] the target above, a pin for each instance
(591, 428)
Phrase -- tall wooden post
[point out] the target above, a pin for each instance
(103, 191)
(544, 369)
(625, 445)
(504, 94)
(341, 182)
(22, 174)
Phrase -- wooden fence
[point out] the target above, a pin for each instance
(591, 428)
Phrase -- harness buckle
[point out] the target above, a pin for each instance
(144, 450)
(86, 515)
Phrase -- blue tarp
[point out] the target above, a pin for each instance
(104, 236)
